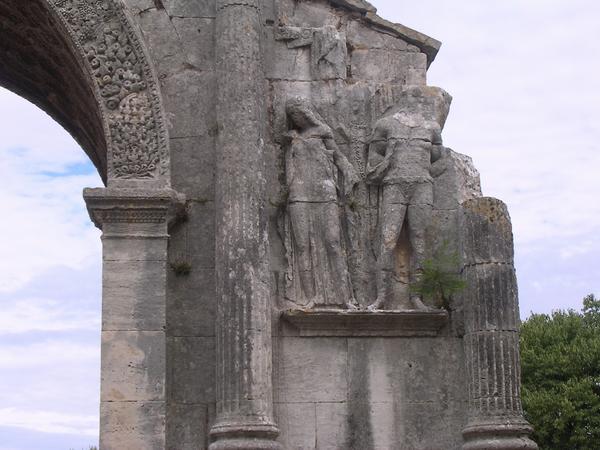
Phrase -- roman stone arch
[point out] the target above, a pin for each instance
(82, 62)
(246, 368)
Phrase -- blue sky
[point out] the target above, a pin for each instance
(50, 286)
(524, 76)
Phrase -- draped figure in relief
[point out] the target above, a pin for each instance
(318, 177)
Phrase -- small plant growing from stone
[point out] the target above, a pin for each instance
(353, 204)
(440, 278)
(181, 268)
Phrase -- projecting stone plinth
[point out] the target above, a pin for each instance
(367, 323)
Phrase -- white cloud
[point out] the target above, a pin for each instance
(30, 128)
(46, 315)
(56, 374)
(583, 246)
(45, 224)
(46, 353)
(50, 421)
(49, 287)
(44, 227)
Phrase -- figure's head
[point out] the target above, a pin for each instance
(301, 113)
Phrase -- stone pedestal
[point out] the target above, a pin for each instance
(134, 236)
(491, 339)
(244, 387)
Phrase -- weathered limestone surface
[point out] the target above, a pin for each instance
(244, 387)
(491, 325)
(276, 179)
(369, 393)
(134, 228)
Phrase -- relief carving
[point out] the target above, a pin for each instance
(328, 52)
(125, 86)
(358, 229)
(318, 178)
(403, 148)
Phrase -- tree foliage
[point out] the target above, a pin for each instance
(561, 377)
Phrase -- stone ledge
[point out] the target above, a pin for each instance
(128, 205)
(366, 323)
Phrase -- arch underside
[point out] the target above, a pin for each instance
(37, 63)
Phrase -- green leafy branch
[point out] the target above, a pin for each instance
(440, 278)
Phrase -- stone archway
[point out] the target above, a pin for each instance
(227, 69)
(82, 62)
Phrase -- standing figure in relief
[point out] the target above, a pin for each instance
(402, 149)
(317, 176)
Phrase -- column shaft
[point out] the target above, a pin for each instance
(244, 384)
(491, 330)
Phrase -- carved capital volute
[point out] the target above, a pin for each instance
(134, 206)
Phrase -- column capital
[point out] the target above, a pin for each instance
(117, 205)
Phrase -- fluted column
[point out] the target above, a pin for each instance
(244, 385)
(134, 224)
(491, 339)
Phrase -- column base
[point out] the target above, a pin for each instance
(507, 435)
(245, 444)
(228, 435)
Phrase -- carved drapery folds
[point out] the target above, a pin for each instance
(318, 175)
(321, 222)
(125, 88)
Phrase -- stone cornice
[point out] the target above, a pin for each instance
(133, 205)
(426, 44)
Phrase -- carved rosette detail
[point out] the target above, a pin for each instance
(125, 87)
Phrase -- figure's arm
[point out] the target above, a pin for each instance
(351, 178)
(438, 153)
(439, 163)
(289, 157)
(379, 155)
